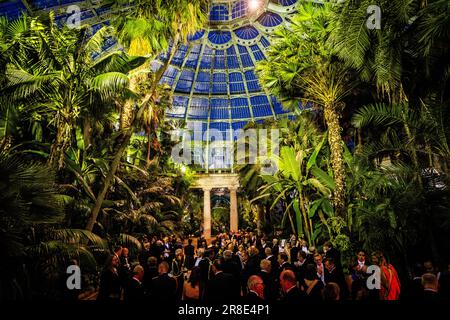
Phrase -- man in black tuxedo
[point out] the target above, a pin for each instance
(134, 290)
(275, 248)
(163, 287)
(271, 291)
(291, 293)
(218, 289)
(430, 285)
(189, 253)
(150, 272)
(273, 260)
(255, 293)
(294, 251)
(335, 275)
(444, 283)
(300, 268)
(283, 260)
(333, 253)
(230, 266)
(125, 272)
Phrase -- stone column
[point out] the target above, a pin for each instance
(234, 219)
(207, 213)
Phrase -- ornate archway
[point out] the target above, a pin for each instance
(207, 182)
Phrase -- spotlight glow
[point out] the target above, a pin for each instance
(254, 4)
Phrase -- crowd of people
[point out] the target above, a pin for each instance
(247, 268)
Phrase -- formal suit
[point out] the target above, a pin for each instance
(294, 295)
(337, 276)
(178, 274)
(300, 272)
(253, 298)
(134, 291)
(271, 289)
(110, 286)
(294, 253)
(275, 251)
(163, 288)
(149, 274)
(430, 296)
(335, 255)
(189, 252)
(285, 266)
(274, 263)
(218, 289)
(231, 267)
(315, 293)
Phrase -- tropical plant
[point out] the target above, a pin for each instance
(58, 76)
(302, 186)
(176, 18)
(300, 67)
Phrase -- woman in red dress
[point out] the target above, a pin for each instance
(390, 283)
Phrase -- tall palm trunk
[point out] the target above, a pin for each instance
(260, 219)
(87, 133)
(61, 144)
(127, 134)
(126, 114)
(305, 220)
(149, 145)
(337, 157)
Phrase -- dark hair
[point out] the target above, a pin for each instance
(302, 254)
(194, 277)
(218, 264)
(330, 260)
(418, 270)
(311, 272)
(189, 241)
(108, 263)
(328, 244)
(284, 256)
(152, 261)
(331, 292)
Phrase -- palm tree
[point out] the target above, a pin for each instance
(377, 54)
(405, 133)
(27, 195)
(300, 66)
(59, 77)
(301, 185)
(182, 17)
(146, 30)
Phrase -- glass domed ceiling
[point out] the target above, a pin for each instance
(212, 76)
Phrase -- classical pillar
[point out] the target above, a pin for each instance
(234, 219)
(207, 213)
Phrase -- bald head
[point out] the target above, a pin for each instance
(163, 267)
(430, 281)
(138, 272)
(288, 276)
(256, 284)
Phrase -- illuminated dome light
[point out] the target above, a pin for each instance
(254, 5)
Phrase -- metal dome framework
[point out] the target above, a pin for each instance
(212, 77)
